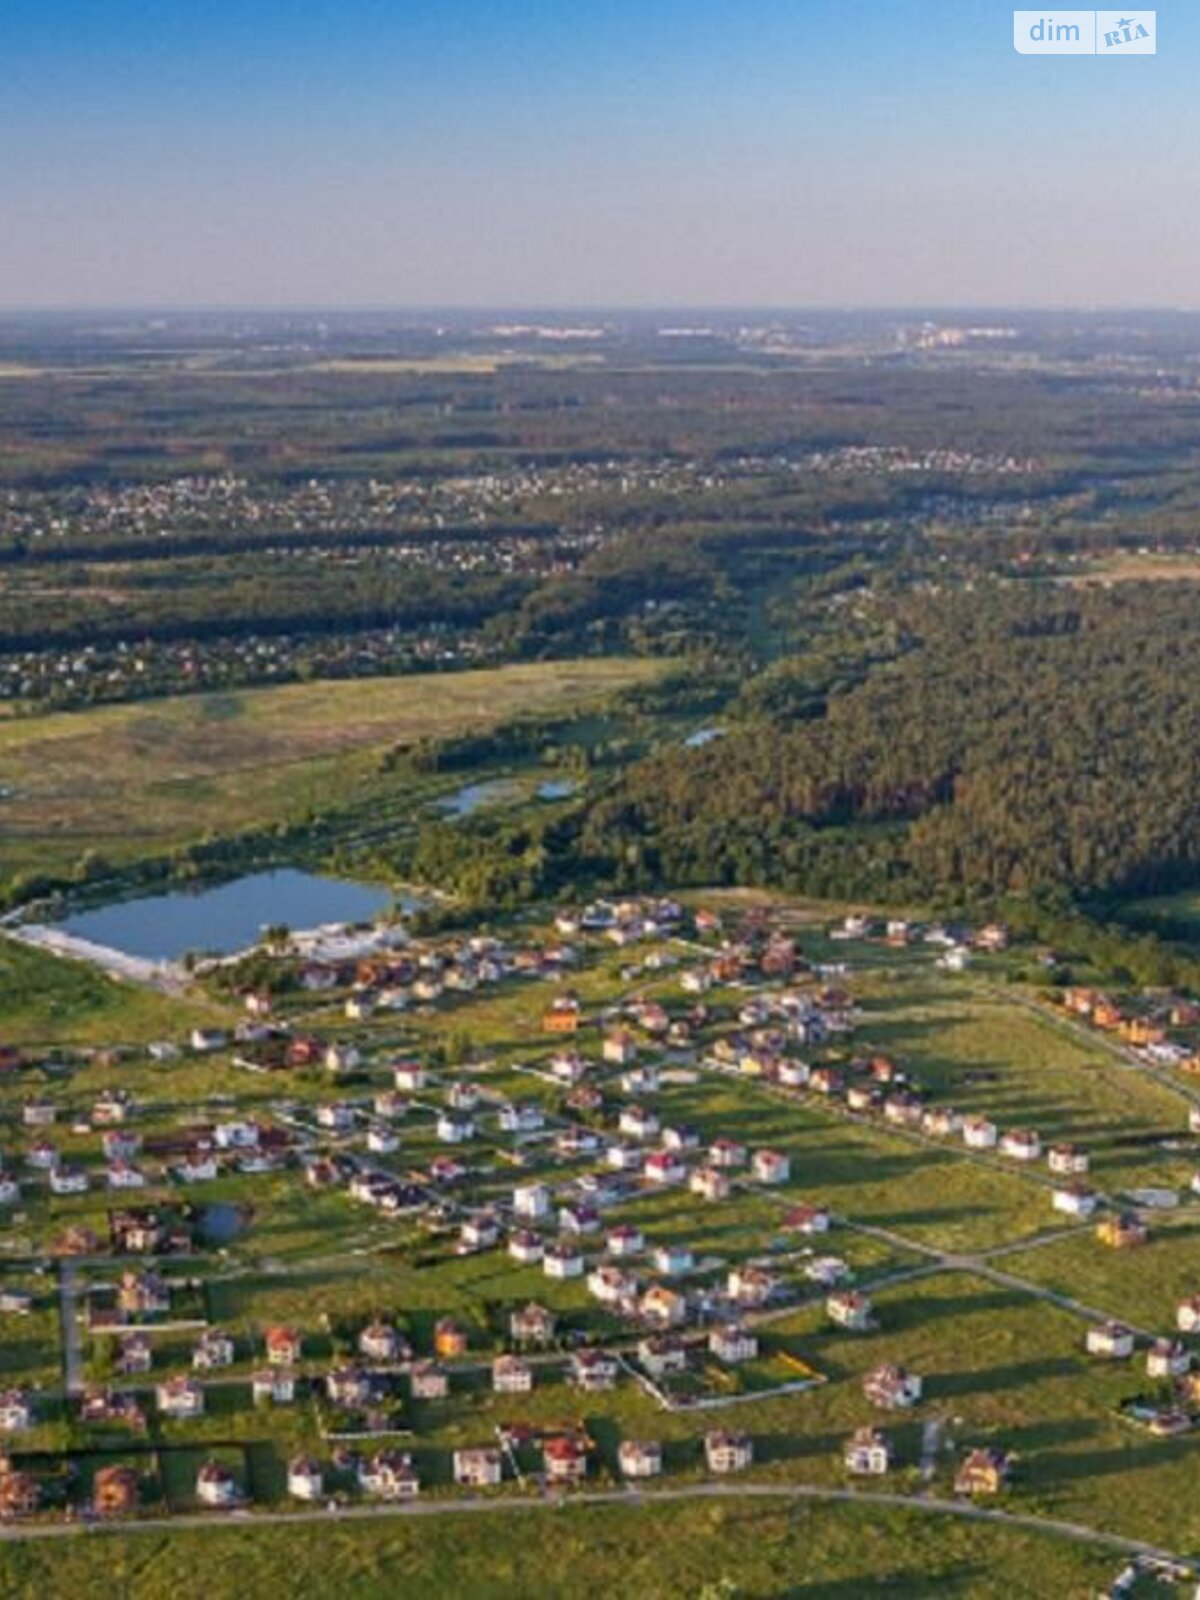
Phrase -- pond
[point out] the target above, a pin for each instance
(472, 796)
(228, 918)
(219, 1224)
(557, 789)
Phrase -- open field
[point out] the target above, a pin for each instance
(128, 780)
(375, 366)
(676, 1552)
(1129, 567)
(46, 1000)
(987, 1053)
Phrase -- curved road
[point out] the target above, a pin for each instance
(507, 1504)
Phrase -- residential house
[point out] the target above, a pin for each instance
(532, 1324)
(284, 1346)
(638, 1122)
(1021, 1144)
(662, 1355)
(1167, 1358)
(1067, 1160)
(750, 1286)
(511, 1375)
(66, 1179)
(135, 1354)
(984, 1471)
(305, 1478)
(770, 1166)
(1122, 1231)
(577, 1217)
(732, 1343)
(16, 1411)
(640, 1458)
(114, 1491)
(20, 1492)
(612, 1286)
(807, 1219)
(274, 1384)
(891, 1387)
(625, 1240)
(868, 1453)
(526, 1247)
(849, 1309)
(481, 1467)
(593, 1370)
(1075, 1200)
(379, 1341)
(673, 1259)
(408, 1076)
(180, 1397)
(1112, 1341)
(663, 1306)
(449, 1339)
(979, 1133)
(337, 1116)
(142, 1294)
(562, 1259)
(664, 1167)
(564, 1459)
(351, 1387)
(480, 1232)
(428, 1381)
(389, 1475)
(725, 1451)
(531, 1200)
(521, 1119)
(710, 1183)
(454, 1128)
(213, 1349)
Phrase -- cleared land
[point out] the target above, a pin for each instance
(130, 779)
(687, 1550)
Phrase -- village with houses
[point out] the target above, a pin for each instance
(637, 1195)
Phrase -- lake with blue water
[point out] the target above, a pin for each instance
(227, 918)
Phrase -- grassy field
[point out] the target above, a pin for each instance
(683, 1552)
(978, 1048)
(129, 779)
(46, 1000)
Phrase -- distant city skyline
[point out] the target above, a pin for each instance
(779, 154)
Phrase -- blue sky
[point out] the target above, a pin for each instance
(588, 152)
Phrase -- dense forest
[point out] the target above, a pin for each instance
(1016, 738)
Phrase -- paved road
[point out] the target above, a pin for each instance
(507, 1505)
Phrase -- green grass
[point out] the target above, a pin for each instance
(681, 1552)
(1143, 1285)
(127, 780)
(46, 1000)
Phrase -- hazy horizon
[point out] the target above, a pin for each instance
(473, 155)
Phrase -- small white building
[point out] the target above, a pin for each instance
(1112, 1341)
(868, 1453)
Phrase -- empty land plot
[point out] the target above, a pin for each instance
(820, 1552)
(987, 1054)
(129, 779)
